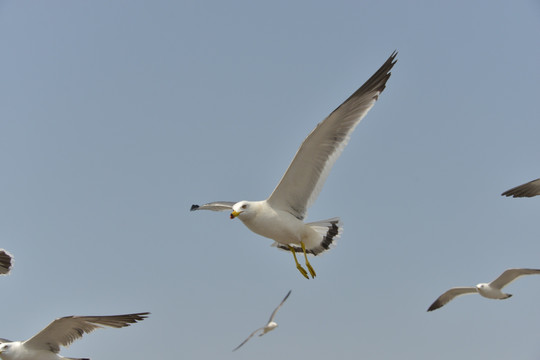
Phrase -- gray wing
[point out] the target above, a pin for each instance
(214, 206)
(276, 309)
(63, 331)
(510, 275)
(249, 337)
(449, 295)
(2, 340)
(530, 189)
(304, 178)
(6, 261)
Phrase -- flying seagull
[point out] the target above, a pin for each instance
(280, 217)
(45, 345)
(490, 291)
(271, 325)
(530, 189)
(6, 261)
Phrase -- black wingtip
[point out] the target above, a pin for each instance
(194, 207)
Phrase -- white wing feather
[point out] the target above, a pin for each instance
(510, 275)
(313, 161)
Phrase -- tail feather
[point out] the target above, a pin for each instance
(330, 231)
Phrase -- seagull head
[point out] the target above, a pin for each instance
(240, 208)
(8, 350)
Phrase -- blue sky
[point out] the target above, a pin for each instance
(117, 116)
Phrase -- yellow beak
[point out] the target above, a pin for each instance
(234, 214)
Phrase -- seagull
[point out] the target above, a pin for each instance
(490, 291)
(280, 217)
(271, 325)
(45, 345)
(530, 189)
(6, 261)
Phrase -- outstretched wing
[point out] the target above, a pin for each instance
(6, 261)
(530, 189)
(249, 337)
(276, 309)
(313, 161)
(449, 295)
(63, 331)
(510, 275)
(214, 206)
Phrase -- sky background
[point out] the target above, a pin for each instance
(117, 116)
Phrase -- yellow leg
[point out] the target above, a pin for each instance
(298, 266)
(311, 271)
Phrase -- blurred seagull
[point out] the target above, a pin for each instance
(271, 325)
(45, 345)
(6, 261)
(490, 291)
(280, 217)
(530, 189)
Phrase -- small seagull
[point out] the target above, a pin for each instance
(280, 217)
(271, 325)
(6, 262)
(530, 189)
(45, 345)
(490, 291)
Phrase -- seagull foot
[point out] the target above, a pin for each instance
(311, 271)
(302, 270)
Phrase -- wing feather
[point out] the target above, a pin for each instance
(510, 275)
(249, 337)
(303, 180)
(214, 206)
(449, 295)
(277, 308)
(63, 331)
(6, 261)
(530, 189)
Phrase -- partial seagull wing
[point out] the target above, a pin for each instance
(530, 189)
(63, 331)
(304, 178)
(214, 206)
(6, 261)
(510, 275)
(249, 337)
(449, 295)
(276, 309)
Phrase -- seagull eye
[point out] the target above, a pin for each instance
(244, 206)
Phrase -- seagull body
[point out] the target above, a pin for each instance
(530, 189)
(270, 325)
(280, 217)
(6, 262)
(45, 345)
(492, 290)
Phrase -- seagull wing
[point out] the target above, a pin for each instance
(530, 189)
(449, 295)
(510, 275)
(313, 161)
(63, 331)
(276, 309)
(214, 206)
(5, 262)
(249, 337)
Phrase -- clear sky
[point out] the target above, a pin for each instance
(116, 116)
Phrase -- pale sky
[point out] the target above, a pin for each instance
(117, 116)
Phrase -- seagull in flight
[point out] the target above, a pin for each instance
(280, 217)
(490, 290)
(45, 345)
(270, 325)
(6, 262)
(530, 189)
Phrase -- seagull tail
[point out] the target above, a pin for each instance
(329, 230)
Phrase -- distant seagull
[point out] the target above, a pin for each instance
(271, 325)
(6, 261)
(280, 217)
(45, 345)
(530, 189)
(490, 291)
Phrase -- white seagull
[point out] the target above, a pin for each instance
(280, 217)
(530, 189)
(6, 262)
(271, 325)
(490, 291)
(45, 345)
